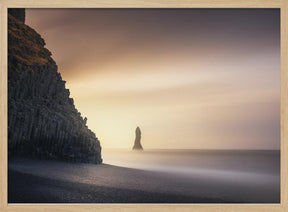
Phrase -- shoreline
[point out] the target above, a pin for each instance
(44, 181)
(26, 188)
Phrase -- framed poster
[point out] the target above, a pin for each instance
(144, 105)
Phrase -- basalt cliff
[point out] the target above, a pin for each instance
(42, 119)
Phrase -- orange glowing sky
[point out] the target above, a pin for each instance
(190, 78)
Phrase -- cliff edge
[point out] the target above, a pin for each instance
(42, 119)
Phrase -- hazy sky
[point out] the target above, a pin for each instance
(190, 78)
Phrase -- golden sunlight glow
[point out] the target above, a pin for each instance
(208, 85)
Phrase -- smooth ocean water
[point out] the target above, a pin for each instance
(241, 165)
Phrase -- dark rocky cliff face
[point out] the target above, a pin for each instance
(42, 119)
(18, 13)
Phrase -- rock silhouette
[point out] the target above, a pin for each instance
(17, 13)
(137, 144)
(42, 119)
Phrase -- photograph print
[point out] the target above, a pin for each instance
(143, 105)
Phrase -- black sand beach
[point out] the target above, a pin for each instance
(41, 181)
(26, 188)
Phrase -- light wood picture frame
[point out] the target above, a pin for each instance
(282, 4)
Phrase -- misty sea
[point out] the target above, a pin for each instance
(243, 173)
(216, 163)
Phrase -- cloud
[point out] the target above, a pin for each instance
(192, 78)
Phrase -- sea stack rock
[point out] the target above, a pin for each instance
(42, 119)
(137, 144)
